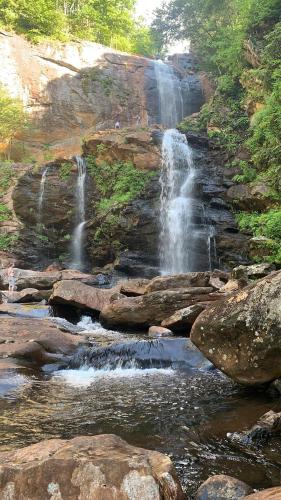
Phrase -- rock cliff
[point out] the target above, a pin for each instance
(72, 89)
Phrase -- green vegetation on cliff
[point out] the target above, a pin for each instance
(12, 118)
(110, 22)
(117, 184)
(238, 43)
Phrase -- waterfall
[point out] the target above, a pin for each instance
(175, 203)
(41, 194)
(170, 95)
(186, 237)
(78, 233)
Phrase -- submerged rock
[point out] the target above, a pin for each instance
(173, 353)
(100, 467)
(241, 334)
(222, 487)
(267, 425)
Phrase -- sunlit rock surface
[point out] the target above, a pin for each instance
(241, 334)
(88, 467)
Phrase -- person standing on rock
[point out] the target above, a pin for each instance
(117, 124)
(138, 121)
(11, 277)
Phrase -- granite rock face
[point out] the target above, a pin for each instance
(100, 467)
(241, 334)
(76, 88)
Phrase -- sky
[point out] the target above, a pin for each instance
(145, 9)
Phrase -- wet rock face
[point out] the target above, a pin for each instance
(131, 244)
(222, 487)
(228, 247)
(241, 335)
(103, 467)
(45, 236)
(266, 427)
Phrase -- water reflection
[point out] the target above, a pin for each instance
(186, 415)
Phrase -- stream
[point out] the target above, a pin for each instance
(156, 394)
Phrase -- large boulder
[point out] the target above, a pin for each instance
(45, 280)
(37, 340)
(241, 334)
(152, 308)
(74, 293)
(181, 321)
(26, 295)
(269, 494)
(172, 282)
(100, 467)
(222, 487)
(31, 279)
(134, 287)
(254, 196)
(253, 272)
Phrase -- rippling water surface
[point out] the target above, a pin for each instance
(183, 413)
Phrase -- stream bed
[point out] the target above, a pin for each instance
(167, 401)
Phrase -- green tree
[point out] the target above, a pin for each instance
(110, 22)
(12, 117)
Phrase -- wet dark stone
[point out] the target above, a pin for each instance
(162, 353)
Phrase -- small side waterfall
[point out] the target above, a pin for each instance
(185, 238)
(170, 96)
(78, 233)
(41, 194)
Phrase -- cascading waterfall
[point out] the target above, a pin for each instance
(41, 194)
(170, 96)
(78, 233)
(186, 237)
(177, 177)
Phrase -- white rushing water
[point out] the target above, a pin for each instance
(170, 96)
(177, 182)
(86, 376)
(78, 233)
(41, 193)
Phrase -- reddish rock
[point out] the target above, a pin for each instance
(159, 331)
(181, 321)
(152, 308)
(134, 287)
(100, 467)
(241, 334)
(269, 494)
(36, 340)
(79, 295)
(173, 282)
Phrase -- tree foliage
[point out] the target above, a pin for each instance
(110, 22)
(239, 43)
(12, 117)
